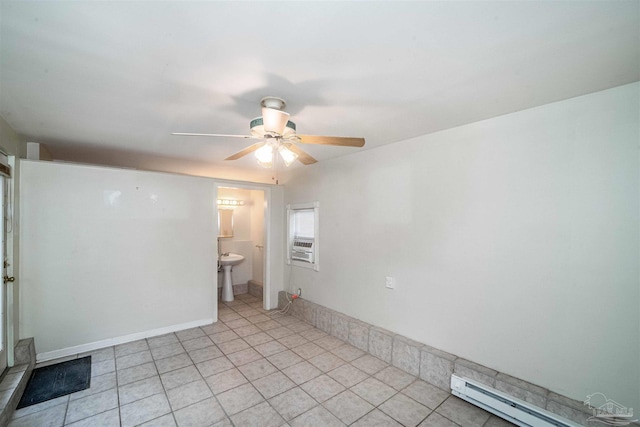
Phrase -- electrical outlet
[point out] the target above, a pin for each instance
(390, 282)
(299, 292)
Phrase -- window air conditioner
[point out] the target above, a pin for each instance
(303, 249)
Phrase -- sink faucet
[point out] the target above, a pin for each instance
(220, 253)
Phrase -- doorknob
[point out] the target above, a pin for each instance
(6, 279)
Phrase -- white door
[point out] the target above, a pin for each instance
(6, 258)
(3, 257)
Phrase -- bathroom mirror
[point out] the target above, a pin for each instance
(225, 222)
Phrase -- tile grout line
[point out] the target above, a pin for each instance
(115, 363)
(172, 412)
(118, 384)
(248, 381)
(161, 383)
(251, 383)
(212, 393)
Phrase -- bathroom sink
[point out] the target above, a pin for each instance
(226, 261)
(231, 259)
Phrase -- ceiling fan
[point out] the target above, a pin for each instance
(277, 134)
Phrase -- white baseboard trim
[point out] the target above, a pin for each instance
(83, 348)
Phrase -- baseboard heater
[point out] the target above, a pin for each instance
(508, 407)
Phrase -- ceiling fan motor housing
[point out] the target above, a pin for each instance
(273, 102)
(257, 128)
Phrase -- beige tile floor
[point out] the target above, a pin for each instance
(251, 368)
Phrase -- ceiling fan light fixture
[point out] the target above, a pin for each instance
(287, 155)
(274, 121)
(264, 155)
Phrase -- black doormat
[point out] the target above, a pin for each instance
(57, 380)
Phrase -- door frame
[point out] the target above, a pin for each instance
(11, 270)
(266, 294)
(8, 270)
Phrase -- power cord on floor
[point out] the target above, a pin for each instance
(290, 302)
(294, 297)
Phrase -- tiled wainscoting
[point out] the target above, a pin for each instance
(255, 289)
(428, 363)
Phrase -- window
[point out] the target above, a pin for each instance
(302, 235)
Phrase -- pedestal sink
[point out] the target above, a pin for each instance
(227, 261)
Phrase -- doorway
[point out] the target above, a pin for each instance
(243, 214)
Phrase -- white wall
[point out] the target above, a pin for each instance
(97, 266)
(275, 246)
(514, 242)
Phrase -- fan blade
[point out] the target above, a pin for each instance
(214, 134)
(249, 149)
(303, 157)
(331, 140)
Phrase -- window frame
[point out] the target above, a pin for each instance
(291, 208)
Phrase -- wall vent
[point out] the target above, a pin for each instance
(510, 408)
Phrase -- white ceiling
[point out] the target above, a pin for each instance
(107, 82)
